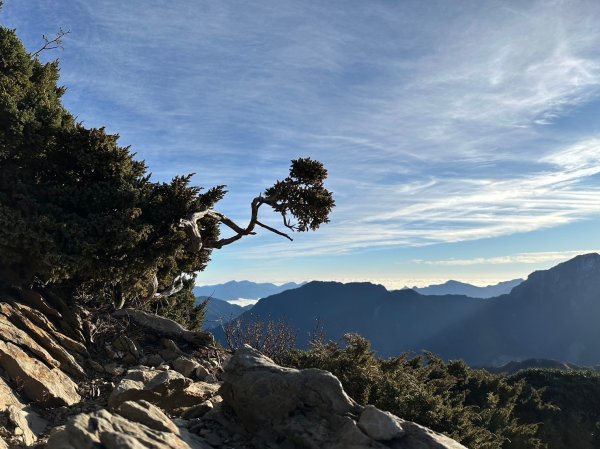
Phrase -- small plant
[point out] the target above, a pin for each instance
(275, 339)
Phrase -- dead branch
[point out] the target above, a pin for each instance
(52, 44)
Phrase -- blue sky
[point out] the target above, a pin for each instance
(462, 138)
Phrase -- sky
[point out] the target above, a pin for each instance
(461, 138)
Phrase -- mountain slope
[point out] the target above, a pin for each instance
(460, 288)
(394, 321)
(218, 311)
(242, 289)
(554, 314)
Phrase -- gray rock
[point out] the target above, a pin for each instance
(185, 365)
(283, 407)
(145, 413)
(111, 431)
(419, 437)
(380, 425)
(201, 372)
(168, 390)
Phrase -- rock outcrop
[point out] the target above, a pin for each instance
(144, 382)
(283, 407)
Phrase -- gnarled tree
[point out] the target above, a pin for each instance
(81, 218)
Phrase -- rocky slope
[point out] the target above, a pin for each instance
(142, 381)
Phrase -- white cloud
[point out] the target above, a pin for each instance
(534, 258)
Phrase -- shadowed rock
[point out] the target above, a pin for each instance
(284, 407)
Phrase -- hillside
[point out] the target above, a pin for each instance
(552, 315)
(393, 321)
(218, 311)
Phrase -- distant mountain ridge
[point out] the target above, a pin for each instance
(243, 289)
(452, 287)
(554, 314)
(219, 311)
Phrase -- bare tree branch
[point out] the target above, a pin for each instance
(283, 234)
(52, 44)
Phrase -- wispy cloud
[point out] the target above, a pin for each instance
(521, 258)
(438, 123)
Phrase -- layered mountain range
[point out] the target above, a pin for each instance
(233, 290)
(461, 288)
(554, 314)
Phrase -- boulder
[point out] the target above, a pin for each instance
(284, 407)
(380, 425)
(112, 431)
(148, 414)
(44, 385)
(166, 389)
(185, 366)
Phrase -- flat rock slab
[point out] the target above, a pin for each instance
(148, 414)
(42, 337)
(39, 383)
(103, 429)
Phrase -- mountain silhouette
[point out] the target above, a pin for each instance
(554, 314)
(452, 287)
(242, 289)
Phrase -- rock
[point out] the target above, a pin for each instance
(284, 407)
(11, 333)
(152, 360)
(37, 301)
(3, 444)
(145, 413)
(103, 429)
(419, 437)
(28, 421)
(66, 361)
(131, 351)
(170, 349)
(202, 373)
(168, 390)
(380, 425)
(185, 365)
(8, 397)
(165, 326)
(47, 386)
(114, 369)
(42, 321)
(96, 366)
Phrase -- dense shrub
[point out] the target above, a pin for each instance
(474, 407)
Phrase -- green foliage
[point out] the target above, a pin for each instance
(81, 217)
(475, 407)
(573, 420)
(303, 195)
